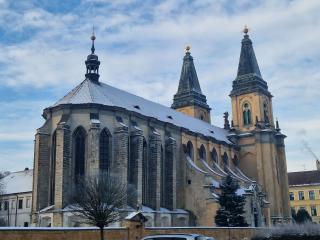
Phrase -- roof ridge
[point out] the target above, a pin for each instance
(20, 171)
(169, 108)
(75, 90)
(90, 89)
(110, 99)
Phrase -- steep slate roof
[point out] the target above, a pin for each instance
(18, 182)
(248, 62)
(188, 78)
(189, 91)
(100, 93)
(249, 78)
(304, 178)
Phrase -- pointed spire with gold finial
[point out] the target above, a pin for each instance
(248, 62)
(92, 62)
(189, 91)
(249, 77)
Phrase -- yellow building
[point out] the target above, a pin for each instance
(304, 192)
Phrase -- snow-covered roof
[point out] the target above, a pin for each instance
(215, 183)
(241, 191)
(89, 92)
(18, 182)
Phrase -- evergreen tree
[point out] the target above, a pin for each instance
(231, 205)
(302, 216)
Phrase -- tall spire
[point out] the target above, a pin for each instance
(249, 78)
(189, 91)
(92, 62)
(248, 63)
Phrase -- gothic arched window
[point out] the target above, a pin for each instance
(266, 112)
(235, 160)
(202, 152)
(190, 150)
(79, 145)
(246, 112)
(104, 150)
(225, 159)
(53, 168)
(214, 155)
(168, 183)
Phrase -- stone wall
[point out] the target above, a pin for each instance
(62, 234)
(134, 232)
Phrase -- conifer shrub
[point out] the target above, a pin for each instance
(231, 211)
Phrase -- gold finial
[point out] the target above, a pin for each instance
(245, 30)
(93, 37)
(188, 48)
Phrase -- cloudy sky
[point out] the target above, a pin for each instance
(43, 45)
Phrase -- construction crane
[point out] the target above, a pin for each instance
(307, 147)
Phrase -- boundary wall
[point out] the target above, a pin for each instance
(134, 232)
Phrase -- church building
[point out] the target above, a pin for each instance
(173, 156)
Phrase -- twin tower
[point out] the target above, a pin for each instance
(248, 85)
(261, 143)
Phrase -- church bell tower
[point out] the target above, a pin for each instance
(189, 98)
(262, 150)
(251, 99)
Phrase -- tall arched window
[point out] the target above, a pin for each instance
(104, 150)
(202, 152)
(266, 112)
(246, 114)
(225, 159)
(79, 144)
(145, 173)
(53, 168)
(214, 156)
(190, 150)
(168, 183)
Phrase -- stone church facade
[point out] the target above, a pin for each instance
(174, 157)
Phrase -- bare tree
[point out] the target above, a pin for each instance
(99, 200)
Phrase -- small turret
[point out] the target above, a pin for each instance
(92, 63)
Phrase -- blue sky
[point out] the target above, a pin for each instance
(44, 43)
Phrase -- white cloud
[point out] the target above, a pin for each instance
(141, 50)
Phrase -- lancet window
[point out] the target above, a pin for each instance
(190, 150)
(246, 112)
(214, 155)
(104, 150)
(202, 152)
(79, 144)
(53, 168)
